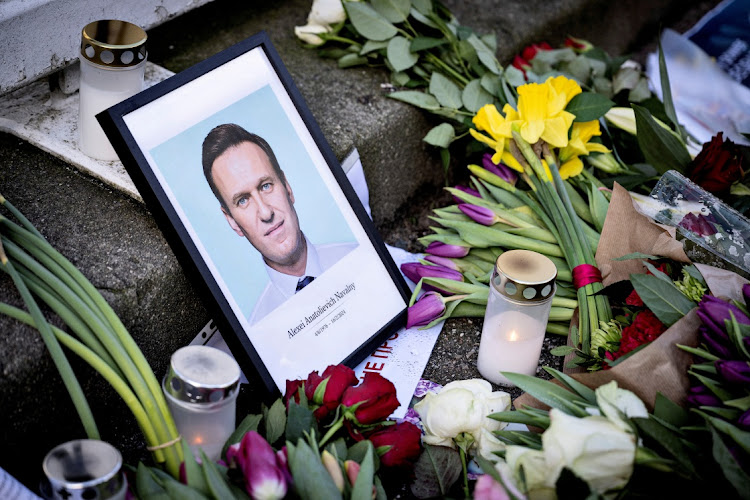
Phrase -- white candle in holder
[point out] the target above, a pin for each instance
(521, 291)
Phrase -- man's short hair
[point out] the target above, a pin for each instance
(226, 136)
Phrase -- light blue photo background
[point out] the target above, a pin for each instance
(239, 264)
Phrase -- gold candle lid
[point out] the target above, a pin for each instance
(524, 276)
(113, 44)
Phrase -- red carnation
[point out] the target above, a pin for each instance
(717, 166)
(404, 442)
(373, 400)
(634, 299)
(326, 390)
(645, 328)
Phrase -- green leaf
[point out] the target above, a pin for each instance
(311, 479)
(739, 436)
(422, 18)
(396, 11)
(562, 350)
(426, 42)
(666, 91)
(362, 489)
(485, 54)
(300, 419)
(216, 482)
(490, 40)
(416, 98)
(585, 392)
(661, 148)
(147, 487)
(663, 299)
(492, 84)
(548, 393)
(695, 273)
(435, 472)
(368, 22)
(445, 91)
(193, 471)
(440, 136)
(729, 466)
(637, 255)
(371, 46)
(474, 96)
(698, 352)
(358, 452)
(598, 206)
(655, 272)
(669, 411)
(423, 6)
(399, 55)
(740, 403)
(351, 60)
(249, 423)
(176, 489)
(338, 449)
(588, 106)
(276, 421)
(670, 441)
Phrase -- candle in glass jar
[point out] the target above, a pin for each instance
(512, 342)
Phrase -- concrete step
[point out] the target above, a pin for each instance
(115, 242)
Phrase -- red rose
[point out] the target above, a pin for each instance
(717, 166)
(292, 391)
(578, 44)
(375, 399)
(326, 390)
(529, 52)
(404, 440)
(521, 64)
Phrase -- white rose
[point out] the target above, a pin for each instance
(537, 481)
(595, 449)
(492, 402)
(617, 403)
(322, 15)
(488, 444)
(448, 414)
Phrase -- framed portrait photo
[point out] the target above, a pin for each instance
(253, 202)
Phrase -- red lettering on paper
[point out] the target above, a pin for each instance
(374, 366)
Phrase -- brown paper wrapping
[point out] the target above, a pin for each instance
(661, 366)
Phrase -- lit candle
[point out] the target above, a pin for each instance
(201, 389)
(521, 291)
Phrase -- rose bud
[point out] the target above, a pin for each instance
(441, 249)
(482, 215)
(292, 391)
(257, 460)
(326, 390)
(717, 166)
(578, 44)
(372, 401)
(504, 172)
(466, 190)
(521, 64)
(425, 310)
(529, 52)
(401, 443)
(702, 396)
(733, 372)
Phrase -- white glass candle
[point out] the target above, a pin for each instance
(113, 62)
(83, 469)
(201, 387)
(521, 291)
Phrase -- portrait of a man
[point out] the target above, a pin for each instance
(257, 201)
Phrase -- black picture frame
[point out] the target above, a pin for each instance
(382, 303)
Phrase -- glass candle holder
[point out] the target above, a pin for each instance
(518, 306)
(84, 469)
(201, 388)
(113, 63)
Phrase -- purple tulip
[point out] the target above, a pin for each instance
(733, 372)
(264, 477)
(717, 344)
(714, 311)
(426, 309)
(415, 271)
(698, 224)
(702, 396)
(466, 190)
(744, 421)
(482, 215)
(746, 294)
(442, 261)
(444, 250)
(501, 170)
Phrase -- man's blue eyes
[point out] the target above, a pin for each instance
(263, 187)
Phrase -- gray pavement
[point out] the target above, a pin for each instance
(115, 242)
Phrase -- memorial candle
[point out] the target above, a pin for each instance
(521, 291)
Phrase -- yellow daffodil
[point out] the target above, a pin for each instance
(579, 145)
(488, 119)
(541, 110)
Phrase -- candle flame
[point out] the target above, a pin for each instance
(513, 336)
(198, 440)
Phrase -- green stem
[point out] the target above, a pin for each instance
(465, 472)
(336, 38)
(53, 346)
(18, 215)
(331, 431)
(443, 65)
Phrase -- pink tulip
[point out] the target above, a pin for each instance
(264, 478)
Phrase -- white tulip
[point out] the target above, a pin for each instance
(595, 449)
(617, 403)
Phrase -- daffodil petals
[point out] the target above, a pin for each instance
(571, 168)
